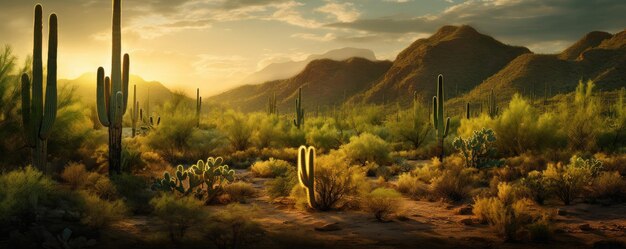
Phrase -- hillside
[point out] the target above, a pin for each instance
(284, 70)
(325, 82)
(598, 56)
(86, 89)
(464, 56)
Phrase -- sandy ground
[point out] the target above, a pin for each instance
(425, 225)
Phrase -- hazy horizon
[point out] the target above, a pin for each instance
(215, 44)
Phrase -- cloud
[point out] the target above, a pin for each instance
(287, 12)
(315, 37)
(343, 12)
(523, 21)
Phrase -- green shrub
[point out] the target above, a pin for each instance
(234, 228)
(240, 191)
(608, 185)
(367, 148)
(540, 230)
(325, 138)
(281, 186)
(613, 162)
(412, 186)
(22, 192)
(382, 202)
(477, 150)
(238, 131)
(454, 183)
(410, 129)
(134, 190)
(536, 186)
(271, 168)
(100, 213)
(178, 213)
(568, 181)
(581, 119)
(75, 175)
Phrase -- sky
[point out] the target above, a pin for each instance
(214, 44)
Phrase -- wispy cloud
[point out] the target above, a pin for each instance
(343, 12)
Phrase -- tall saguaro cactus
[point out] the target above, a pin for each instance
(37, 117)
(441, 127)
(299, 120)
(134, 111)
(467, 111)
(306, 172)
(271, 105)
(112, 95)
(492, 105)
(198, 107)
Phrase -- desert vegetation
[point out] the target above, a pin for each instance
(199, 174)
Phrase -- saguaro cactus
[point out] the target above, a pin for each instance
(492, 105)
(112, 94)
(306, 172)
(467, 111)
(271, 105)
(134, 111)
(198, 106)
(37, 117)
(441, 127)
(299, 120)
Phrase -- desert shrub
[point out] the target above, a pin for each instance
(608, 185)
(527, 162)
(287, 154)
(411, 126)
(613, 138)
(281, 186)
(271, 168)
(412, 186)
(104, 188)
(178, 213)
(382, 202)
(75, 175)
(477, 150)
(22, 193)
(238, 131)
(536, 186)
(240, 191)
(581, 119)
(568, 181)
(540, 230)
(134, 190)
(234, 228)
(325, 138)
(100, 213)
(131, 156)
(454, 183)
(505, 213)
(266, 130)
(615, 162)
(367, 148)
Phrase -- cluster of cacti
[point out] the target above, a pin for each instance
(306, 172)
(134, 111)
(299, 120)
(204, 180)
(492, 108)
(271, 105)
(441, 126)
(478, 150)
(151, 122)
(112, 93)
(198, 106)
(38, 118)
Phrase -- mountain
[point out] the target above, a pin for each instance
(284, 70)
(598, 56)
(324, 83)
(86, 89)
(463, 55)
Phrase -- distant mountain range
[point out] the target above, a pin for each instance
(284, 70)
(472, 64)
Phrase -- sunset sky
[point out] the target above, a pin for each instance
(213, 44)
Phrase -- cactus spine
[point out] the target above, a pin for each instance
(38, 118)
(198, 106)
(134, 111)
(441, 127)
(306, 172)
(299, 120)
(492, 105)
(271, 105)
(112, 94)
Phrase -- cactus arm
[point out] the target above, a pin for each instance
(302, 173)
(50, 112)
(125, 79)
(445, 133)
(102, 98)
(37, 80)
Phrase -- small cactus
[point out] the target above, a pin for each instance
(134, 111)
(306, 172)
(198, 107)
(38, 117)
(492, 105)
(271, 105)
(467, 111)
(299, 120)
